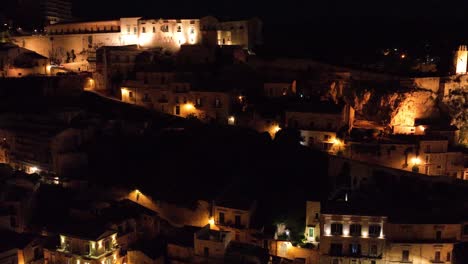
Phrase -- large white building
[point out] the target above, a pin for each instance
(74, 45)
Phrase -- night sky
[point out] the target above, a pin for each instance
(274, 9)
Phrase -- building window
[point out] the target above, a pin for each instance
(206, 252)
(192, 30)
(438, 235)
(465, 230)
(373, 250)
(437, 256)
(217, 103)
(221, 218)
(335, 261)
(237, 220)
(135, 30)
(337, 229)
(336, 249)
(405, 255)
(154, 29)
(374, 230)
(199, 101)
(146, 98)
(326, 137)
(372, 262)
(355, 249)
(311, 232)
(449, 257)
(130, 94)
(355, 229)
(237, 237)
(177, 110)
(165, 28)
(179, 29)
(143, 30)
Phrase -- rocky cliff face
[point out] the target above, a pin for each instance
(455, 103)
(395, 105)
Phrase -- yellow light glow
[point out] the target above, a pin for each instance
(189, 106)
(365, 234)
(114, 236)
(62, 239)
(231, 120)
(93, 244)
(77, 261)
(48, 68)
(100, 244)
(327, 231)
(276, 128)
(403, 56)
(422, 128)
(34, 169)
(115, 256)
(416, 161)
(211, 221)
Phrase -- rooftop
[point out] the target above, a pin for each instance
(241, 204)
(183, 236)
(93, 231)
(154, 248)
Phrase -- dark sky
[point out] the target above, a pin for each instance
(307, 23)
(275, 9)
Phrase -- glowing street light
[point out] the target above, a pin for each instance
(416, 161)
(189, 106)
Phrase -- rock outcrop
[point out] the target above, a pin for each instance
(400, 103)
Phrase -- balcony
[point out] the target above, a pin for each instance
(231, 224)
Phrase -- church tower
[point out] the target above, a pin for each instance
(461, 59)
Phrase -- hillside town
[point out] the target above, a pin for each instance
(176, 140)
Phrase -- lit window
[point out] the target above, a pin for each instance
(311, 232)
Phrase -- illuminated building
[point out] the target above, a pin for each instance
(83, 244)
(420, 241)
(161, 91)
(74, 44)
(20, 62)
(461, 60)
(234, 216)
(349, 235)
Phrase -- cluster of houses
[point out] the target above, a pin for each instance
(135, 229)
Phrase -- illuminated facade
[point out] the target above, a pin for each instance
(425, 155)
(74, 45)
(235, 218)
(75, 248)
(349, 239)
(162, 92)
(461, 60)
(421, 243)
(20, 62)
